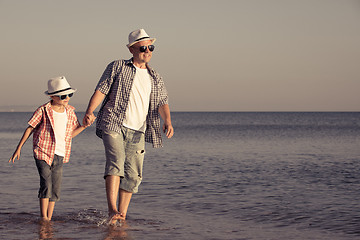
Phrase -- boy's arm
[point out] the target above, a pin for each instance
(78, 130)
(28, 131)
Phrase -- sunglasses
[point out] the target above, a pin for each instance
(143, 48)
(63, 97)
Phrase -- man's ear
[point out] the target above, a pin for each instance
(131, 50)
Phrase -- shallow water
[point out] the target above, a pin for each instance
(223, 176)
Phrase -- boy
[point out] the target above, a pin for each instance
(54, 124)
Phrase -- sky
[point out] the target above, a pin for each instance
(223, 55)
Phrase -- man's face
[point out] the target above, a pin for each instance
(141, 57)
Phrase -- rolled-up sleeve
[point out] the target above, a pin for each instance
(106, 79)
(36, 118)
(75, 122)
(163, 94)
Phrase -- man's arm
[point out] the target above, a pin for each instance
(164, 111)
(94, 102)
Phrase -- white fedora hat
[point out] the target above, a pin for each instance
(59, 86)
(137, 36)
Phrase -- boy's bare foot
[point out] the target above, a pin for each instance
(44, 219)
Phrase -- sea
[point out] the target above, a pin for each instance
(224, 175)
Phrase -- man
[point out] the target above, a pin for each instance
(133, 95)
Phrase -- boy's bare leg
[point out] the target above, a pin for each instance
(44, 205)
(50, 209)
(112, 184)
(124, 201)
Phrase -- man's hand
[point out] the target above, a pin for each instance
(168, 130)
(88, 119)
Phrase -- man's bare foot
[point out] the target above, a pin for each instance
(115, 217)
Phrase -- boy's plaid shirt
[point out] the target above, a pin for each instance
(44, 138)
(116, 83)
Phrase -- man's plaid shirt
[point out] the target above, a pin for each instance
(116, 83)
(44, 137)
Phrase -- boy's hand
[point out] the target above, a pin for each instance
(14, 156)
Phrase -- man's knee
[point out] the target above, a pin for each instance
(131, 183)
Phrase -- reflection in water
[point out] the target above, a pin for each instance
(118, 231)
(46, 230)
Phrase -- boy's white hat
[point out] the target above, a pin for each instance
(137, 36)
(59, 86)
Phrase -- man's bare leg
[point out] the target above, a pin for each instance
(112, 184)
(124, 201)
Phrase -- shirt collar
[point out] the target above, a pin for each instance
(68, 107)
(130, 62)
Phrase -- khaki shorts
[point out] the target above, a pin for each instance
(125, 153)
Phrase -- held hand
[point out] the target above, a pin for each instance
(168, 130)
(88, 119)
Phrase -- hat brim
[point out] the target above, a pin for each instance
(72, 90)
(146, 39)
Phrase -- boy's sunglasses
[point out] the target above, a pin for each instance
(143, 48)
(63, 97)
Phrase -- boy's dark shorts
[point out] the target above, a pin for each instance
(50, 178)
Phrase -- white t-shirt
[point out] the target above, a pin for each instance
(60, 121)
(139, 101)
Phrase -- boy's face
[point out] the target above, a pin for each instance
(58, 101)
